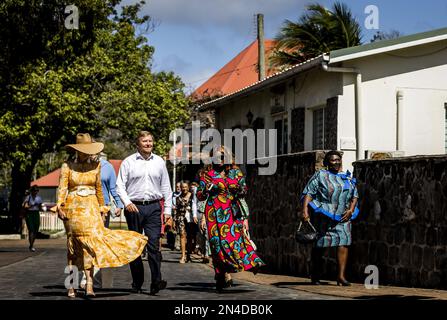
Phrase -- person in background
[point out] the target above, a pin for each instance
(33, 205)
(108, 182)
(193, 223)
(185, 219)
(174, 237)
(202, 235)
(178, 191)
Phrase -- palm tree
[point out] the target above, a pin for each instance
(317, 31)
(380, 35)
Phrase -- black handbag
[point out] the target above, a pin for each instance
(304, 237)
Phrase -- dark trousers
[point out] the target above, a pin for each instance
(149, 220)
(107, 221)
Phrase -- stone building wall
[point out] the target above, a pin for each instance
(402, 227)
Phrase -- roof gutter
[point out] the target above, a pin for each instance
(360, 152)
(261, 85)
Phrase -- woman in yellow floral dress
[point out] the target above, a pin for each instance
(80, 205)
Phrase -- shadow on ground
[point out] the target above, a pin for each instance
(300, 283)
(393, 297)
(100, 293)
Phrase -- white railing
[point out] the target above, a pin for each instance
(49, 221)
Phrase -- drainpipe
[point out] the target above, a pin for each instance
(399, 124)
(360, 152)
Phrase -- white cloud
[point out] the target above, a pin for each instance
(193, 80)
(210, 45)
(173, 62)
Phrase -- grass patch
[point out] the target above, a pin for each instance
(50, 231)
(118, 226)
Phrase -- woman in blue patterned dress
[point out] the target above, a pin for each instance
(332, 197)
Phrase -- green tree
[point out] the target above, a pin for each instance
(56, 82)
(318, 31)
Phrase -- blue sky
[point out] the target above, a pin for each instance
(195, 38)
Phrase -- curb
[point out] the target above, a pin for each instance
(356, 291)
(10, 236)
(57, 235)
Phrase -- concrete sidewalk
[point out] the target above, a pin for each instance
(356, 291)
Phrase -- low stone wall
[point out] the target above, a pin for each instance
(274, 203)
(403, 225)
(402, 228)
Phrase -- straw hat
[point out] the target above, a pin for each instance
(85, 144)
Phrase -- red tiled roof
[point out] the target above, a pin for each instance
(116, 165)
(52, 179)
(240, 72)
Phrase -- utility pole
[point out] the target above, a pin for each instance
(261, 50)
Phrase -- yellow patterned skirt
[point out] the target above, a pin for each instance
(90, 244)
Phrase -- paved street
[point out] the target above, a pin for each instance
(40, 275)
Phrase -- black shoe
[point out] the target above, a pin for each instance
(157, 286)
(136, 289)
(316, 282)
(343, 283)
(256, 268)
(220, 285)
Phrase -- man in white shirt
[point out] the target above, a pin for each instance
(142, 184)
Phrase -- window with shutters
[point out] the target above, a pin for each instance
(282, 137)
(318, 129)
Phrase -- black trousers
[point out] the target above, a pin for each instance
(107, 221)
(149, 220)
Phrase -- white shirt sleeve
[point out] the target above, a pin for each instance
(121, 181)
(166, 190)
(194, 204)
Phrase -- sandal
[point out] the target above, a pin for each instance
(71, 293)
(89, 290)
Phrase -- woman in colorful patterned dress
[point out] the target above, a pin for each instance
(332, 197)
(231, 251)
(80, 205)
